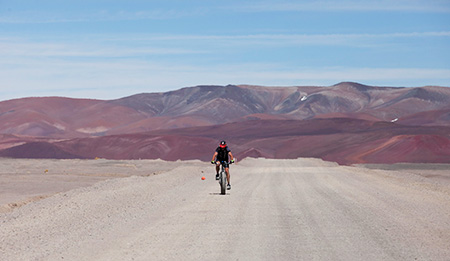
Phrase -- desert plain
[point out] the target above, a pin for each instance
(298, 209)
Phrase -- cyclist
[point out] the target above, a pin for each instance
(223, 153)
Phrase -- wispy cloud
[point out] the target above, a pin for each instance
(113, 49)
(142, 46)
(148, 11)
(10, 47)
(104, 15)
(114, 79)
(113, 66)
(299, 38)
(292, 36)
(434, 6)
(205, 42)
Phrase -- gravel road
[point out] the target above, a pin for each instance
(303, 209)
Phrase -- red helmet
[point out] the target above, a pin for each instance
(223, 144)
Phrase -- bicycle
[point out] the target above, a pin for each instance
(223, 178)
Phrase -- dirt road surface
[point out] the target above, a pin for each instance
(303, 209)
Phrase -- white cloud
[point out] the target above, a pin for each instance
(196, 43)
(116, 66)
(42, 17)
(17, 47)
(114, 79)
(150, 11)
(434, 6)
(143, 45)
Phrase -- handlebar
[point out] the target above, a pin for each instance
(214, 162)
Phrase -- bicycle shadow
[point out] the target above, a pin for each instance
(219, 194)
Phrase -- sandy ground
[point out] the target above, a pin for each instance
(303, 209)
(25, 181)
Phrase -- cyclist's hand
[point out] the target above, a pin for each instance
(232, 161)
(212, 162)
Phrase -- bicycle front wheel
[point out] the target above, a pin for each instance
(223, 183)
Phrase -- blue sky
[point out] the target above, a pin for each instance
(111, 49)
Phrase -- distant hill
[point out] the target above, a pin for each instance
(347, 123)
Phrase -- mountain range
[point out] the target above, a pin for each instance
(347, 123)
